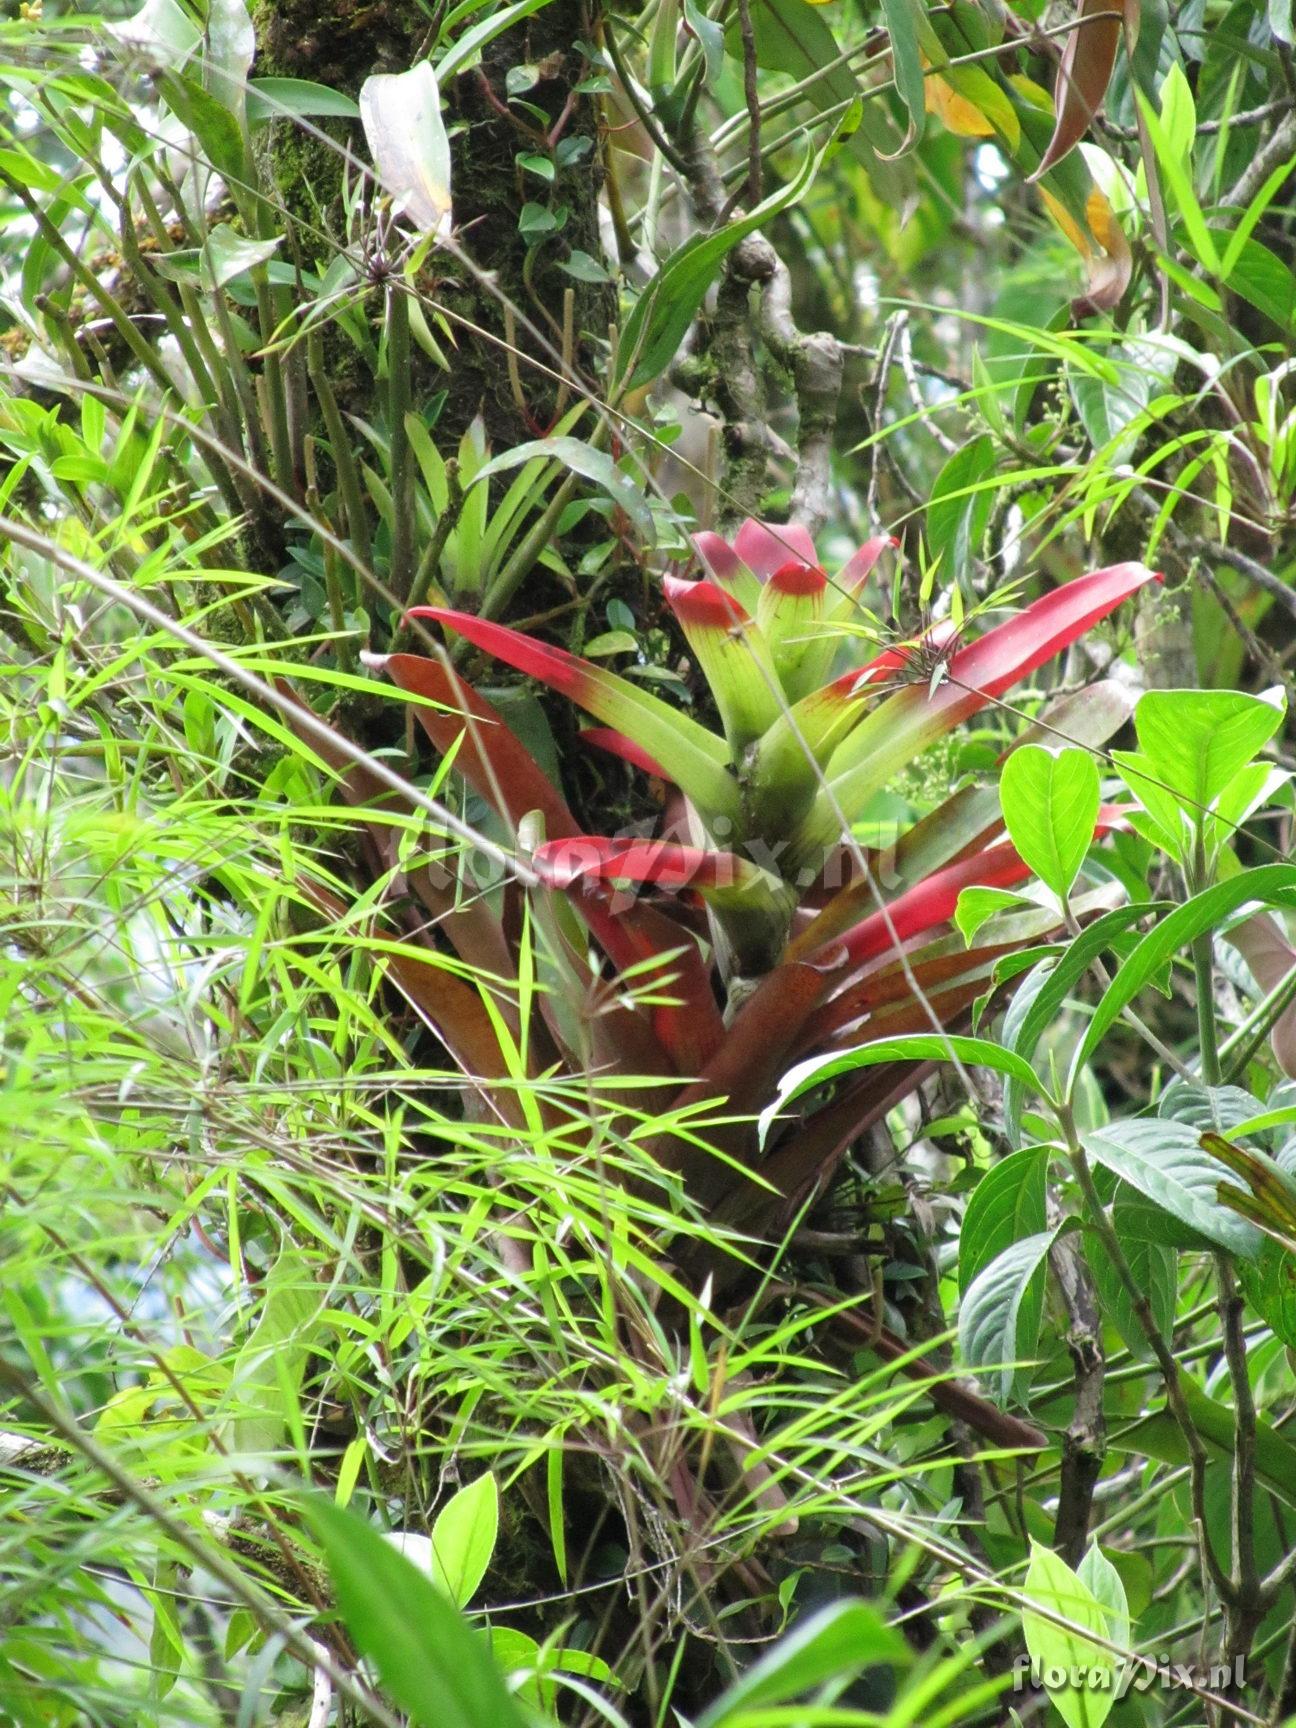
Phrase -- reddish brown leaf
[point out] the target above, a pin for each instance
(743, 1071)
(468, 924)
(1087, 64)
(617, 744)
(493, 761)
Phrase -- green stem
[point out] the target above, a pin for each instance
(1207, 1030)
(348, 479)
(1241, 1045)
(402, 462)
(1204, 971)
(505, 585)
(430, 561)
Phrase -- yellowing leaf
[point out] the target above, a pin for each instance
(963, 118)
(968, 101)
(1100, 242)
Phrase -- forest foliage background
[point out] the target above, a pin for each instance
(648, 1007)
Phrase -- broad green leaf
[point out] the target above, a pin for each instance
(926, 1047)
(269, 1367)
(593, 465)
(834, 1643)
(1272, 884)
(1039, 1000)
(1052, 1584)
(463, 1539)
(976, 906)
(999, 1312)
(1101, 1577)
(1196, 741)
(904, 22)
(426, 1657)
(401, 115)
(1007, 1204)
(1166, 1163)
(1152, 1263)
(226, 254)
(667, 306)
(297, 99)
(959, 508)
(1050, 804)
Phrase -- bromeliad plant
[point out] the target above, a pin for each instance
(785, 936)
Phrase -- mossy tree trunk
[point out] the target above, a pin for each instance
(517, 222)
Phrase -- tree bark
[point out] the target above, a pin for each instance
(522, 100)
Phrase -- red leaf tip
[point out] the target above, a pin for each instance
(703, 603)
(796, 578)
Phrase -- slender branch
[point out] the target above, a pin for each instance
(303, 718)
(357, 519)
(1269, 156)
(752, 97)
(1248, 1608)
(1084, 1444)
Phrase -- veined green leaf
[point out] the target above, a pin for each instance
(1166, 1163)
(427, 1658)
(1007, 1204)
(1050, 805)
(999, 1312)
(1052, 1584)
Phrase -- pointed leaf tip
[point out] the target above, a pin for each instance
(617, 744)
(698, 758)
(657, 863)
(1087, 65)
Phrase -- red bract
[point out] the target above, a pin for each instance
(734, 909)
